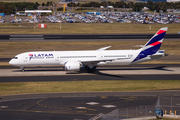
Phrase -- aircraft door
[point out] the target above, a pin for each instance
(57, 58)
(101, 56)
(25, 58)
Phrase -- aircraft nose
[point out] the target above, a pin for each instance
(11, 62)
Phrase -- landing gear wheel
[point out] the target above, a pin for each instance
(22, 68)
(90, 70)
(93, 70)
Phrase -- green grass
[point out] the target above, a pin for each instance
(86, 86)
(90, 28)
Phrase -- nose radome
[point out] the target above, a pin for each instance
(11, 62)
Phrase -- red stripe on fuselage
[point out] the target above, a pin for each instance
(161, 31)
(155, 43)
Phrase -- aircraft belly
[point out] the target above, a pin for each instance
(116, 62)
(43, 63)
(40, 65)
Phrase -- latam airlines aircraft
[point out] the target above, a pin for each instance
(74, 60)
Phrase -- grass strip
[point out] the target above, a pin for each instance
(11, 88)
(164, 118)
(4, 63)
(91, 28)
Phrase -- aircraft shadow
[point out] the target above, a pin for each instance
(154, 68)
(97, 71)
(105, 74)
(84, 71)
(38, 70)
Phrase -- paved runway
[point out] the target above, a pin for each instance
(83, 36)
(67, 40)
(72, 107)
(82, 106)
(134, 72)
(69, 108)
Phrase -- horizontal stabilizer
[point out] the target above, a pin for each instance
(161, 51)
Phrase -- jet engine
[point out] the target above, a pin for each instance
(72, 66)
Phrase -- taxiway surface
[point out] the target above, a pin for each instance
(69, 108)
(136, 72)
(83, 106)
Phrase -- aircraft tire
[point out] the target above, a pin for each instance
(93, 70)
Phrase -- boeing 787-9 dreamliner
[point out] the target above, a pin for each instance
(90, 59)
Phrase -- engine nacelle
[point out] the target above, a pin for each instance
(72, 66)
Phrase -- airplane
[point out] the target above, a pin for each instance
(73, 61)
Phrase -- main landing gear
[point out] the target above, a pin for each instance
(90, 70)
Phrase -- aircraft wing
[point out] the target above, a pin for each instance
(104, 48)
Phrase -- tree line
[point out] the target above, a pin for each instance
(136, 6)
(121, 4)
(156, 6)
(12, 7)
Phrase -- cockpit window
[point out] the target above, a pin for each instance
(15, 58)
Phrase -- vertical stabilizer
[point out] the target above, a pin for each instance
(153, 45)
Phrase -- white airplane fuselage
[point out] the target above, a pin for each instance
(74, 60)
(59, 58)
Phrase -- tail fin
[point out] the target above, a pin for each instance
(153, 45)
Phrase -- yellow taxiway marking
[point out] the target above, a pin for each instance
(103, 97)
(132, 97)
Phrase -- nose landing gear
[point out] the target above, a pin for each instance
(22, 68)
